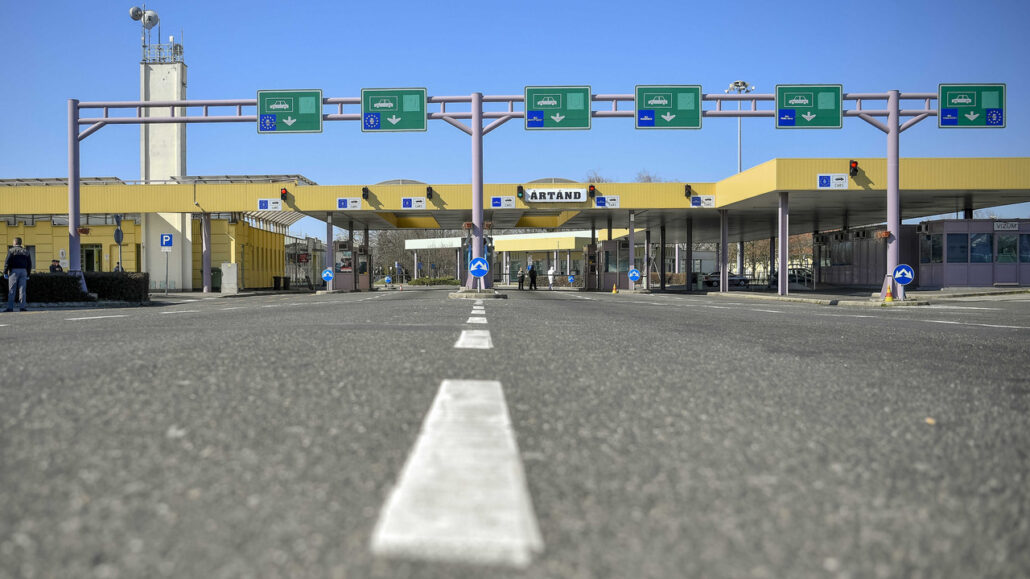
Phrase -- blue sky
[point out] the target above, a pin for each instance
(53, 51)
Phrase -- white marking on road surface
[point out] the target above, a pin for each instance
(462, 494)
(475, 339)
(234, 308)
(768, 311)
(180, 312)
(97, 317)
(476, 321)
(944, 307)
(477, 303)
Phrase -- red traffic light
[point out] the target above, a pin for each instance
(282, 193)
(592, 190)
(853, 168)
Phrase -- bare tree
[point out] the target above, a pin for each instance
(645, 176)
(594, 177)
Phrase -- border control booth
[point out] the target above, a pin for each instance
(352, 267)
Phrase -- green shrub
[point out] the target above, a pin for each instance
(119, 286)
(434, 281)
(49, 288)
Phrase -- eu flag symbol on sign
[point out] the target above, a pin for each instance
(371, 120)
(995, 118)
(786, 117)
(495, 202)
(601, 202)
(263, 204)
(341, 203)
(949, 116)
(645, 118)
(267, 122)
(695, 201)
(406, 203)
(535, 119)
(824, 181)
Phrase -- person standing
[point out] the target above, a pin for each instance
(550, 278)
(118, 267)
(532, 277)
(55, 266)
(522, 279)
(17, 267)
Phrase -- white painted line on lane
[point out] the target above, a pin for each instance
(462, 494)
(97, 317)
(768, 311)
(180, 312)
(478, 311)
(475, 339)
(476, 321)
(233, 308)
(477, 302)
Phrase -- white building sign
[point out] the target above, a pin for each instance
(556, 195)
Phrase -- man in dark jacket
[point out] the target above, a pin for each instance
(532, 277)
(17, 267)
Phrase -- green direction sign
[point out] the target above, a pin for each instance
(289, 111)
(385, 110)
(668, 107)
(557, 107)
(971, 106)
(809, 106)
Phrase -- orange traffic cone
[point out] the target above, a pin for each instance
(614, 289)
(889, 297)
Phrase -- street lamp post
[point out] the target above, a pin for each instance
(739, 87)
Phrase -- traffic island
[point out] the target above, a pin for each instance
(477, 294)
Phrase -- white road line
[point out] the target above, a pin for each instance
(477, 303)
(462, 495)
(97, 317)
(475, 339)
(233, 308)
(3, 325)
(945, 307)
(180, 312)
(476, 321)
(478, 311)
(768, 311)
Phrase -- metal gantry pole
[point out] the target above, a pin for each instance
(781, 238)
(205, 240)
(74, 255)
(893, 182)
(477, 184)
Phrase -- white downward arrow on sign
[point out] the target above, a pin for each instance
(394, 119)
(289, 121)
(668, 117)
(808, 116)
(972, 116)
(558, 118)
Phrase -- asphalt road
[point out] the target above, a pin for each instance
(660, 435)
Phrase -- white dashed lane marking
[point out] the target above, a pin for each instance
(475, 339)
(476, 321)
(462, 495)
(181, 312)
(97, 317)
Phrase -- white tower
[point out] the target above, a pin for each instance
(162, 77)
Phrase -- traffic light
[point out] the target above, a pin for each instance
(687, 191)
(592, 191)
(364, 192)
(853, 168)
(429, 192)
(520, 192)
(282, 193)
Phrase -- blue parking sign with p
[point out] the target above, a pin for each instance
(166, 240)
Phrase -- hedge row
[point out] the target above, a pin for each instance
(63, 287)
(434, 281)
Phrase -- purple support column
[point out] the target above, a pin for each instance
(688, 258)
(740, 258)
(647, 259)
(893, 194)
(74, 257)
(782, 238)
(205, 250)
(353, 256)
(661, 257)
(724, 251)
(477, 184)
(632, 219)
(330, 262)
(772, 260)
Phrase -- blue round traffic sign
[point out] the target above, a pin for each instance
(327, 274)
(634, 274)
(479, 267)
(572, 279)
(389, 279)
(904, 274)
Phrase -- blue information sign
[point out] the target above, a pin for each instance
(572, 279)
(479, 267)
(166, 240)
(389, 279)
(327, 274)
(634, 274)
(904, 274)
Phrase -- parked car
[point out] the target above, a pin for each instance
(798, 275)
(712, 280)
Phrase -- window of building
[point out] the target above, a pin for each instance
(840, 253)
(1007, 243)
(981, 247)
(1024, 248)
(931, 248)
(958, 248)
